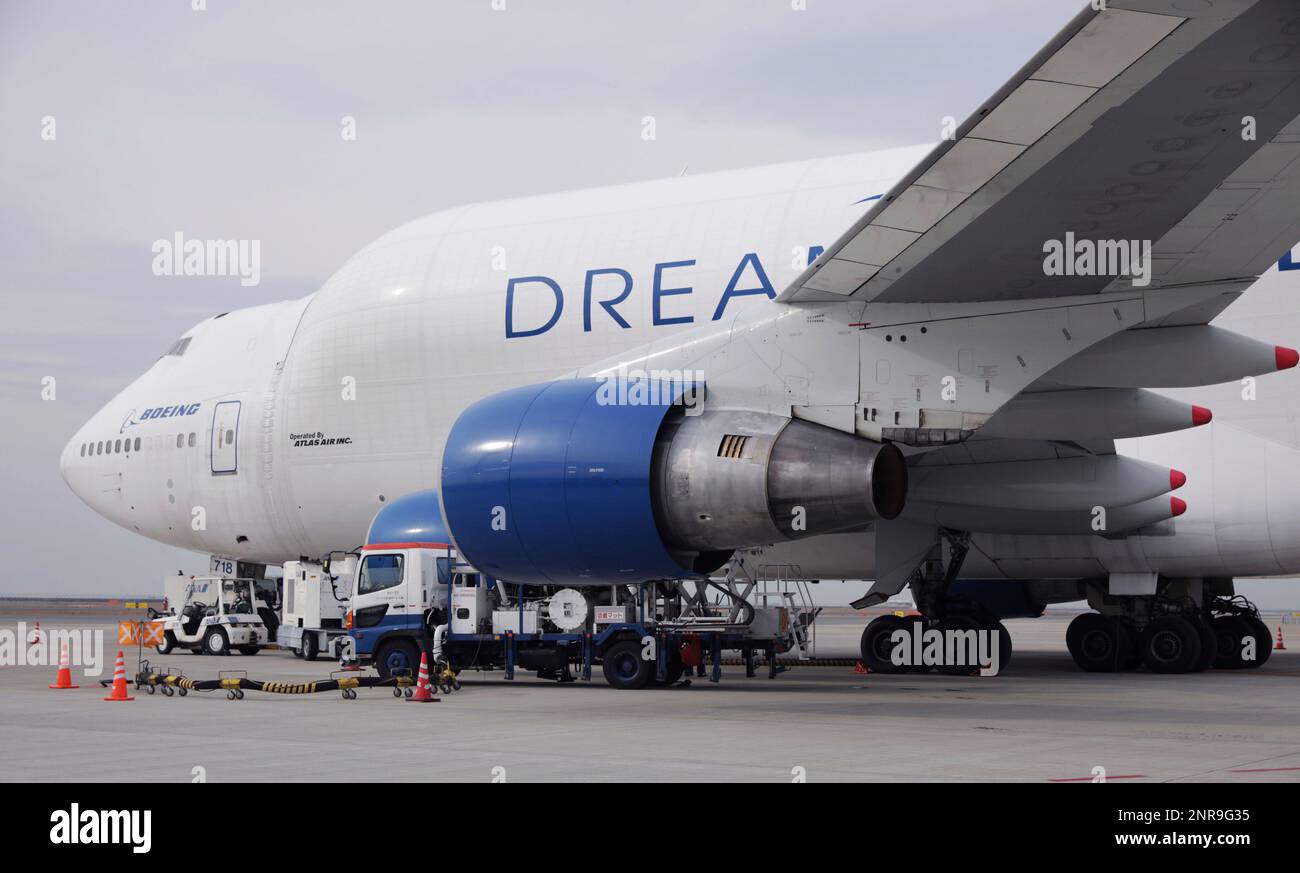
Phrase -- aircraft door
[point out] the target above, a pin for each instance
(224, 437)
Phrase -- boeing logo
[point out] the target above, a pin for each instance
(159, 412)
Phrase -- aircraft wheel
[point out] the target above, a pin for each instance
(1098, 644)
(876, 645)
(959, 623)
(1004, 644)
(1263, 641)
(1209, 645)
(1171, 644)
(1230, 632)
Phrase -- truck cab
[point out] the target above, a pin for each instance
(397, 602)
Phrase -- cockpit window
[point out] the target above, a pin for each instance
(178, 348)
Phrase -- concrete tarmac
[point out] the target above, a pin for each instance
(1040, 720)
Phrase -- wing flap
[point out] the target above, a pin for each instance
(1128, 126)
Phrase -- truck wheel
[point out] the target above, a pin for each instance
(675, 670)
(624, 667)
(309, 648)
(215, 642)
(397, 655)
(167, 645)
(249, 650)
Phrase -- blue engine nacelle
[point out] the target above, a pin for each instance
(412, 520)
(588, 481)
(547, 484)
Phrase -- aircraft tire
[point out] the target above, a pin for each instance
(1171, 644)
(1229, 631)
(1209, 645)
(876, 646)
(1099, 644)
(1263, 641)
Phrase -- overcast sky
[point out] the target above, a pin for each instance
(225, 124)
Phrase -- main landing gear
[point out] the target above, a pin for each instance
(939, 611)
(1167, 635)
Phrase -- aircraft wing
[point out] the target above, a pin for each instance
(1160, 120)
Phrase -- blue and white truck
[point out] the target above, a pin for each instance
(413, 596)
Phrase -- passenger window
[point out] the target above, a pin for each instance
(180, 440)
(117, 446)
(83, 450)
(137, 444)
(191, 440)
(230, 437)
(99, 448)
(379, 572)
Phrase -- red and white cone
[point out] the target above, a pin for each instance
(64, 677)
(1279, 646)
(36, 636)
(119, 680)
(423, 693)
(860, 669)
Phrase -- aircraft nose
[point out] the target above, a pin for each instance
(65, 460)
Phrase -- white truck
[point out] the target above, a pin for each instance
(212, 615)
(314, 604)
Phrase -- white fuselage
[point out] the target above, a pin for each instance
(343, 400)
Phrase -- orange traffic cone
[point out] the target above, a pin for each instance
(36, 636)
(1279, 646)
(860, 668)
(423, 693)
(119, 680)
(64, 677)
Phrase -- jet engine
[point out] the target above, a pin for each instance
(572, 483)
